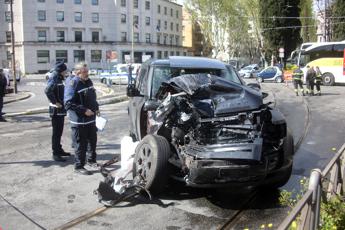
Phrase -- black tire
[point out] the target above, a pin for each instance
(280, 178)
(279, 80)
(151, 162)
(103, 80)
(328, 79)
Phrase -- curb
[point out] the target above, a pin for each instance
(106, 101)
(28, 95)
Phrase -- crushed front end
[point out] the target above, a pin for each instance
(221, 132)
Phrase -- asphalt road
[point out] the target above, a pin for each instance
(39, 192)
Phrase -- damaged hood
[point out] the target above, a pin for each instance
(224, 96)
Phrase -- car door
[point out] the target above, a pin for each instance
(269, 73)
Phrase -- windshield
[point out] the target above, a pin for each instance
(164, 73)
(247, 68)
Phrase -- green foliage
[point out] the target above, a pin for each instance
(332, 212)
(308, 31)
(275, 31)
(338, 24)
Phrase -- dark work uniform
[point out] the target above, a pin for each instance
(311, 75)
(55, 93)
(297, 80)
(80, 96)
(3, 84)
(318, 80)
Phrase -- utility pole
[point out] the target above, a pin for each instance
(13, 52)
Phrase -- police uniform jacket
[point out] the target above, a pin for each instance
(55, 93)
(80, 96)
(3, 84)
(297, 74)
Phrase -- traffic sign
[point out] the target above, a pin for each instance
(281, 54)
(281, 50)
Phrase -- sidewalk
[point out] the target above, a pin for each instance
(21, 95)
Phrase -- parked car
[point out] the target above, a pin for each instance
(196, 121)
(9, 74)
(249, 71)
(271, 73)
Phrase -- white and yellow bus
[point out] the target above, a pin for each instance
(329, 57)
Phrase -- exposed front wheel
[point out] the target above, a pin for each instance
(151, 162)
(279, 80)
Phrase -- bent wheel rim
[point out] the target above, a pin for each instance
(144, 161)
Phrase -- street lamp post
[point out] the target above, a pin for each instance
(13, 51)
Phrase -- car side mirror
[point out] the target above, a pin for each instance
(254, 86)
(132, 91)
(151, 105)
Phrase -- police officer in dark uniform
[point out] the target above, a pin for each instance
(82, 108)
(55, 93)
(297, 80)
(3, 85)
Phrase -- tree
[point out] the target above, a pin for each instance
(308, 30)
(338, 20)
(280, 25)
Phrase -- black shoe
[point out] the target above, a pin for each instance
(64, 154)
(2, 119)
(82, 171)
(58, 158)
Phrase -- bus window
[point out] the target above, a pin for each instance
(305, 58)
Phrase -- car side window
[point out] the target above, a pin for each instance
(142, 81)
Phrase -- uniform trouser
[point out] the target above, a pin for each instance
(297, 83)
(318, 88)
(1, 104)
(57, 124)
(82, 136)
(310, 86)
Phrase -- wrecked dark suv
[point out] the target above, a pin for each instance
(196, 121)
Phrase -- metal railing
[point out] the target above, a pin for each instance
(322, 185)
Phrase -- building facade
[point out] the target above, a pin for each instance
(99, 32)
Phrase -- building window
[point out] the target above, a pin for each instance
(60, 36)
(159, 9)
(148, 38)
(166, 54)
(123, 3)
(60, 16)
(159, 54)
(59, 1)
(135, 4)
(165, 39)
(171, 53)
(8, 36)
(77, 1)
(96, 55)
(177, 38)
(94, 2)
(136, 19)
(147, 5)
(41, 0)
(41, 15)
(177, 27)
(177, 53)
(77, 16)
(183, 38)
(171, 12)
(42, 35)
(123, 18)
(147, 21)
(78, 36)
(176, 13)
(171, 26)
(136, 37)
(43, 56)
(158, 39)
(171, 39)
(165, 25)
(8, 55)
(165, 10)
(123, 36)
(8, 1)
(79, 55)
(61, 56)
(95, 36)
(95, 17)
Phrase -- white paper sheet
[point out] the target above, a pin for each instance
(101, 122)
